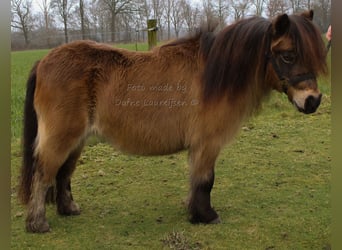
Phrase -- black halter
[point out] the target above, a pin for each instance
(286, 80)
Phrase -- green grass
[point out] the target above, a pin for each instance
(272, 188)
(133, 46)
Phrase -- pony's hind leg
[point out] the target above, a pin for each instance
(46, 167)
(64, 199)
(42, 181)
(56, 150)
(202, 164)
(36, 221)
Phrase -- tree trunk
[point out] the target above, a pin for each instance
(25, 31)
(66, 30)
(82, 19)
(47, 28)
(112, 27)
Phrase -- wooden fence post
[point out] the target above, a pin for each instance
(152, 33)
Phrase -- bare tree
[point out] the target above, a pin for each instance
(208, 11)
(221, 10)
(101, 19)
(167, 15)
(140, 19)
(275, 7)
(176, 16)
(96, 20)
(322, 16)
(46, 9)
(64, 8)
(239, 8)
(144, 12)
(297, 5)
(158, 9)
(21, 17)
(259, 6)
(173, 16)
(116, 7)
(190, 14)
(308, 4)
(82, 18)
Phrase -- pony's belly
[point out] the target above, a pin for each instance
(147, 123)
(149, 150)
(150, 146)
(150, 139)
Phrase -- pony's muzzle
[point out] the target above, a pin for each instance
(310, 105)
(306, 101)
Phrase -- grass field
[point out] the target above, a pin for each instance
(272, 187)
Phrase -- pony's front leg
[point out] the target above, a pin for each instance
(201, 182)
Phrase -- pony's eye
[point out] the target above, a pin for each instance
(288, 57)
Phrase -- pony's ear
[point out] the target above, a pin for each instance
(281, 25)
(308, 14)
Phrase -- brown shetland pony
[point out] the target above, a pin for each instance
(193, 93)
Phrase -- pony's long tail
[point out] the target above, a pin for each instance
(30, 128)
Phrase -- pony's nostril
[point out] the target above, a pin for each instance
(312, 103)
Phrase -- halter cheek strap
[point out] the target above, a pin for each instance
(289, 81)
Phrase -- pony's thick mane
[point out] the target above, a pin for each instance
(309, 43)
(201, 39)
(240, 47)
(237, 54)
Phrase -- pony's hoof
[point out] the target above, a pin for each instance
(37, 227)
(215, 221)
(203, 216)
(212, 218)
(70, 209)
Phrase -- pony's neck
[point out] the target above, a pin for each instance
(236, 63)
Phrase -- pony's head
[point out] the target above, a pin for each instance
(297, 56)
